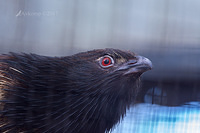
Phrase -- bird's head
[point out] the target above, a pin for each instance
(111, 61)
(107, 68)
(107, 80)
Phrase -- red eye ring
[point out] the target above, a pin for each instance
(106, 61)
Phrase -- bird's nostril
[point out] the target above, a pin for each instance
(132, 62)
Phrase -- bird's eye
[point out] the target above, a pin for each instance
(106, 61)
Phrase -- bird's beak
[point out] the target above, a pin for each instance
(138, 65)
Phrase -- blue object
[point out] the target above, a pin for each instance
(148, 118)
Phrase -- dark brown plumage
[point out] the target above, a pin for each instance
(84, 93)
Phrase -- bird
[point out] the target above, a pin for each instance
(88, 92)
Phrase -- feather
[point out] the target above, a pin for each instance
(86, 92)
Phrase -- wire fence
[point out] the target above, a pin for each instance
(167, 32)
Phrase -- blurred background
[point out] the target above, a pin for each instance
(165, 31)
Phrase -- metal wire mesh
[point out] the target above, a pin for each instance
(165, 31)
(166, 106)
(148, 118)
(170, 92)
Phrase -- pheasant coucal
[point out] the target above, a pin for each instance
(87, 92)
